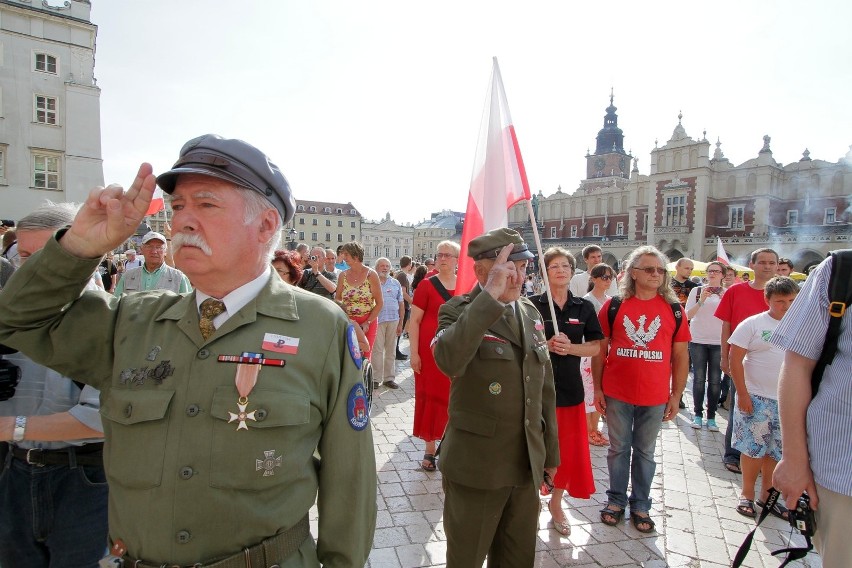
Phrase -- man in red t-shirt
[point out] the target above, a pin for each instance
(639, 376)
(739, 302)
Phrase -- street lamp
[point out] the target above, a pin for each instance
(291, 239)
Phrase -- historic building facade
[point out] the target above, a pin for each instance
(50, 135)
(689, 198)
(325, 224)
(442, 226)
(386, 238)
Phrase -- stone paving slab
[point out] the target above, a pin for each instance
(694, 501)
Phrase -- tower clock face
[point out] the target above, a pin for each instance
(599, 164)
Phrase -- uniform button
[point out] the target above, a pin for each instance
(499, 350)
(186, 472)
(128, 410)
(260, 414)
(529, 401)
(527, 379)
(203, 353)
(183, 537)
(527, 422)
(527, 356)
(192, 410)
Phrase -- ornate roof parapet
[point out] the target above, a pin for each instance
(806, 156)
(718, 155)
(766, 148)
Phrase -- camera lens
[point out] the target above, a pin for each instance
(313, 257)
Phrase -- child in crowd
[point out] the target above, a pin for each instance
(755, 366)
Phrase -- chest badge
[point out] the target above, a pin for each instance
(269, 462)
(495, 388)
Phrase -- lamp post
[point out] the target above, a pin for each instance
(291, 239)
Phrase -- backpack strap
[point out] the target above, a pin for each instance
(677, 311)
(436, 282)
(839, 298)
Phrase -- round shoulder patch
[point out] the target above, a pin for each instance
(352, 344)
(356, 407)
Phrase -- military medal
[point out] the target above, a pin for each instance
(248, 368)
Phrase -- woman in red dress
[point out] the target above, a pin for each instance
(431, 386)
(579, 335)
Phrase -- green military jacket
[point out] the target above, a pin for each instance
(502, 413)
(185, 485)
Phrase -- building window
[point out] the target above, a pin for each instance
(339, 223)
(830, 215)
(3, 163)
(45, 63)
(313, 209)
(300, 208)
(328, 236)
(351, 237)
(596, 230)
(301, 235)
(301, 220)
(573, 231)
(619, 229)
(339, 238)
(314, 237)
(327, 210)
(553, 232)
(792, 216)
(675, 211)
(45, 109)
(376, 251)
(45, 171)
(339, 211)
(328, 222)
(736, 217)
(314, 222)
(352, 224)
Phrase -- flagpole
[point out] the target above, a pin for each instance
(543, 268)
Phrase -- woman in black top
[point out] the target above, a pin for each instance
(579, 336)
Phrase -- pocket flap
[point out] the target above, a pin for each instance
(135, 406)
(474, 422)
(496, 350)
(270, 408)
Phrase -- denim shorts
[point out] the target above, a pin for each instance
(758, 434)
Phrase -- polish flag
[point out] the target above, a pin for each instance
(721, 255)
(157, 202)
(280, 343)
(499, 179)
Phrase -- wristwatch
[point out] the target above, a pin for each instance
(20, 427)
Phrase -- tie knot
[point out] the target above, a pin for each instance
(211, 307)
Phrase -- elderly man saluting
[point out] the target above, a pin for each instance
(215, 402)
(501, 435)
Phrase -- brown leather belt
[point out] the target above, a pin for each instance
(268, 554)
(88, 454)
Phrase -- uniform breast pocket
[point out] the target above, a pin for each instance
(137, 423)
(574, 330)
(274, 423)
(495, 350)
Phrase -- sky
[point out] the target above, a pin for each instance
(379, 103)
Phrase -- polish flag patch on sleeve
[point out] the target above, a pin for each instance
(280, 343)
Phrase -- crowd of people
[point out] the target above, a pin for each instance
(512, 380)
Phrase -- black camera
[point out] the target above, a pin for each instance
(313, 257)
(802, 517)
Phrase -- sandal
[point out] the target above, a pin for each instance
(746, 508)
(562, 527)
(614, 515)
(733, 468)
(638, 519)
(778, 510)
(428, 463)
(598, 439)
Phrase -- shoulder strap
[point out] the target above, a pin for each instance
(677, 311)
(614, 304)
(436, 282)
(839, 298)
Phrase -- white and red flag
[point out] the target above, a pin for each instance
(498, 181)
(721, 255)
(157, 203)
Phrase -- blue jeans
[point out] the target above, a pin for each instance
(707, 365)
(52, 516)
(732, 455)
(726, 388)
(634, 428)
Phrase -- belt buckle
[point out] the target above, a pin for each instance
(29, 459)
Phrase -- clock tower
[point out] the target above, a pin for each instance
(609, 158)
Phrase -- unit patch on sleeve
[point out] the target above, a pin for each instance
(352, 345)
(356, 407)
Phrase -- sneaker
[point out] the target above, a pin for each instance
(711, 425)
(401, 356)
(697, 423)
(391, 385)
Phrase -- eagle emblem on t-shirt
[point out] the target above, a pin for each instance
(640, 336)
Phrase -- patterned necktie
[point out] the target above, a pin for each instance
(512, 319)
(210, 308)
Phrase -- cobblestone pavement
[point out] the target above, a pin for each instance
(694, 503)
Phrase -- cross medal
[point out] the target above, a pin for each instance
(248, 367)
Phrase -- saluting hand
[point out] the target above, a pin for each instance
(109, 216)
(503, 274)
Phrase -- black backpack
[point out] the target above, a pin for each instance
(615, 303)
(839, 298)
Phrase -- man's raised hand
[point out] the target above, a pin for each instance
(109, 216)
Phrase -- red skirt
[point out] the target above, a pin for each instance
(574, 474)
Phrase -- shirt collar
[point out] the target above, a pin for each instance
(238, 298)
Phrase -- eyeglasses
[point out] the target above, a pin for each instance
(445, 255)
(604, 277)
(651, 269)
(714, 272)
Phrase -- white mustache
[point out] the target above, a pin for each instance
(190, 239)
